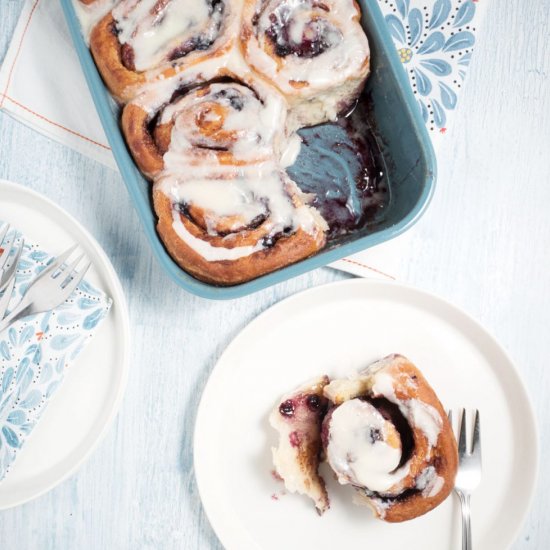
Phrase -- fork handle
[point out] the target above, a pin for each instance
(466, 525)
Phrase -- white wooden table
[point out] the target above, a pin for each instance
(490, 255)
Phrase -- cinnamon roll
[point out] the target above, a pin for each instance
(298, 418)
(315, 52)
(386, 434)
(227, 210)
(143, 40)
(389, 437)
(207, 117)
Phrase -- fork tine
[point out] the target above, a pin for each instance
(56, 263)
(68, 288)
(476, 440)
(67, 273)
(11, 270)
(462, 435)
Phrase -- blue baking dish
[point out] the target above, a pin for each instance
(405, 145)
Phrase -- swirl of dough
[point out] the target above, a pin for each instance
(389, 437)
(139, 41)
(315, 52)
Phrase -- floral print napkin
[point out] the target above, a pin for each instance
(435, 41)
(36, 352)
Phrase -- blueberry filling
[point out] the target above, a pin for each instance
(313, 402)
(342, 165)
(183, 209)
(202, 41)
(294, 438)
(233, 96)
(286, 408)
(269, 241)
(388, 499)
(318, 36)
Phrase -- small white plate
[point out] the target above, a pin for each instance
(87, 401)
(337, 329)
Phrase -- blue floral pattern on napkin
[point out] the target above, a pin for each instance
(435, 41)
(35, 352)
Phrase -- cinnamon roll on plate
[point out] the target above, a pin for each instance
(385, 433)
(298, 420)
(140, 41)
(315, 52)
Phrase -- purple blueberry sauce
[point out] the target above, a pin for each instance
(294, 438)
(342, 165)
(318, 36)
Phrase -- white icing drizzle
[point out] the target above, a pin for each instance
(423, 416)
(426, 418)
(434, 488)
(291, 150)
(155, 28)
(154, 93)
(244, 193)
(205, 249)
(221, 115)
(383, 385)
(429, 482)
(344, 52)
(364, 449)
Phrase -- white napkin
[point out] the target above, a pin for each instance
(42, 85)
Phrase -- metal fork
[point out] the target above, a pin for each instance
(7, 274)
(468, 475)
(50, 289)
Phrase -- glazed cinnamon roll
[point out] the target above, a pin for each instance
(315, 52)
(389, 437)
(209, 117)
(231, 229)
(227, 210)
(143, 40)
(385, 433)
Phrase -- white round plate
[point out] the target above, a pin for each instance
(83, 407)
(337, 329)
